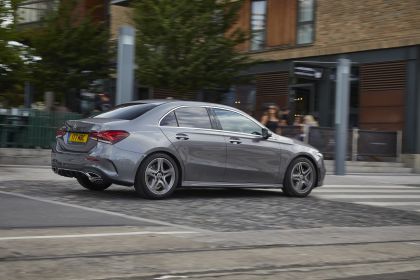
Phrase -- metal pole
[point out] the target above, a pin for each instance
(28, 95)
(125, 71)
(341, 114)
(354, 145)
(399, 145)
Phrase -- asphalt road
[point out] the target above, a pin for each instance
(354, 228)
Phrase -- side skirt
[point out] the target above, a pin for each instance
(228, 185)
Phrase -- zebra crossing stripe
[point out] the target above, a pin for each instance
(347, 190)
(366, 187)
(391, 203)
(350, 196)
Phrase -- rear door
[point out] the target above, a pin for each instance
(201, 148)
(250, 158)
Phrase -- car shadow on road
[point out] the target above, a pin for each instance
(182, 193)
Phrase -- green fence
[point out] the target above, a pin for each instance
(31, 128)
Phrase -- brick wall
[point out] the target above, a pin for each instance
(356, 25)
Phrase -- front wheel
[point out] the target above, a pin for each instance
(157, 177)
(300, 178)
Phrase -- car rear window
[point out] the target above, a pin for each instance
(127, 111)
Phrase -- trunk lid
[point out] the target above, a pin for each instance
(76, 138)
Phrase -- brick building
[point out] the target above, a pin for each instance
(295, 40)
(31, 12)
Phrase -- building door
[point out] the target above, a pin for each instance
(302, 99)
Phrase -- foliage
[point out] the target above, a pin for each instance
(73, 48)
(182, 45)
(12, 66)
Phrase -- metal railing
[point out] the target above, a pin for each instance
(361, 144)
(30, 128)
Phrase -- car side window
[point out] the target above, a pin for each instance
(169, 120)
(196, 117)
(232, 121)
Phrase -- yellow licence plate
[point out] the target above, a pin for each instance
(78, 137)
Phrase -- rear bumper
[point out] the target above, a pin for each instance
(114, 165)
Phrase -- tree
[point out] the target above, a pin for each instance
(183, 45)
(11, 54)
(73, 48)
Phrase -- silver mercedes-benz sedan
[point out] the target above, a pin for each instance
(160, 145)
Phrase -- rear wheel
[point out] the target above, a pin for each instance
(98, 185)
(300, 178)
(157, 177)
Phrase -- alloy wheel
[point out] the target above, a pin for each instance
(302, 177)
(160, 176)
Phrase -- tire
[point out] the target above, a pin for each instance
(300, 178)
(97, 186)
(157, 177)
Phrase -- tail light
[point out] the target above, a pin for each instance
(60, 132)
(109, 136)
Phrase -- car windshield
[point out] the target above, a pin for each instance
(127, 111)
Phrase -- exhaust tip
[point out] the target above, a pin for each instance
(94, 177)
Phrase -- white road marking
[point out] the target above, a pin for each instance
(171, 277)
(396, 197)
(106, 212)
(346, 190)
(95, 235)
(391, 203)
(366, 187)
(350, 196)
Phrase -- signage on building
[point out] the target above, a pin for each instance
(308, 72)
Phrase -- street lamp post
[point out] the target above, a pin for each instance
(125, 70)
(341, 114)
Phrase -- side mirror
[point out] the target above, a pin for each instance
(265, 133)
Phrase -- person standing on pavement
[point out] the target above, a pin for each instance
(270, 118)
(308, 122)
(285, 116)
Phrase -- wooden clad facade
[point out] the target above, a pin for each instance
(281, 20)
(382, 95)
(243, 23)
(281, 23)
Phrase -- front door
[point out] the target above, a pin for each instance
(250, 158)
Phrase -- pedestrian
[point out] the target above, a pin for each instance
(103, 102)
(298, 121)
(270, 118)
(285, 116)
(309, 120)
(298, 127)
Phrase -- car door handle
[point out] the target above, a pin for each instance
(182, 136)
(235, 140)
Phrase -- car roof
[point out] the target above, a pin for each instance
(176, 102)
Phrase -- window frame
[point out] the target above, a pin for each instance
(239, 113)
(301, 23)
(211, 118)
(264, 30)
(176, 120)
(216, 126)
